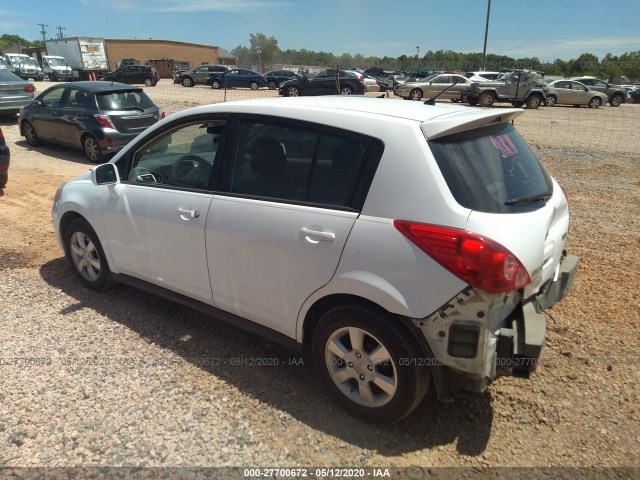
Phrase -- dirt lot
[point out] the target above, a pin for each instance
(148, 398)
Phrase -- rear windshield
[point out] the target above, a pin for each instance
(124, 100)
(492, 169)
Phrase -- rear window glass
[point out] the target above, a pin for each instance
(492, 169)
(124, 100)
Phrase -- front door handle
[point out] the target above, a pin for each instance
(187, 214)
(315, 236)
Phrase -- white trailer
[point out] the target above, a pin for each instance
(86, 56)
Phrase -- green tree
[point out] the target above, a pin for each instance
(263, 49)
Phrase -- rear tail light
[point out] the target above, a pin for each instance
(479, 261)
(29, 89)
(104, 120)
(361, 79)
(162, 114)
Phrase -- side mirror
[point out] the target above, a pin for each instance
(105, 174)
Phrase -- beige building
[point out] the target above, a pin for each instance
(162, 53)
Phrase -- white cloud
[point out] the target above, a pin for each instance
(563, 48)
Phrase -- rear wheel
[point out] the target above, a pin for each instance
(215, 84)
(364, 356)
(485, 99)
(87, 256)
(148, 82)
(551, 100)
(92, 149)
(595, 102)
(30, 134)
(272, 85)
(254, 86)
(415, 94)
(345, 90)
(4, 177)
(293, 92)
(187, 82)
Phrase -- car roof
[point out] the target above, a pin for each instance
(102, 86)
(439, 119)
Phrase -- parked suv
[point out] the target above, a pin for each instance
(616, 94)
(396, 244)
(518, 87)
(198, 75)
(132, 74)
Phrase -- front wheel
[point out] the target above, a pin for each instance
(30, 134)
(615, 101)
(254, 86)
(293, 92)
(92, 149)
(187, 82)
(485, 99)
(4, 177)
(53, 77)
(533, 102)
(595, 102)
(367, 360)
(416, 94)
(272, 85)
(86, 255)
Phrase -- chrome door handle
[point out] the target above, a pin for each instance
(187, 214)
(315, 236)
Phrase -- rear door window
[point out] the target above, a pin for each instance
(492, 169)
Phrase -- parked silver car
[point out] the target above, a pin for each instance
(396, 244)
(568, 92)
(15, 93)
(433, 85)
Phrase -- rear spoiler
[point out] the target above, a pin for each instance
(456, 122)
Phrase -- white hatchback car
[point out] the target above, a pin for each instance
(396, 243)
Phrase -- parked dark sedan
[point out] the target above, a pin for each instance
(237, 77)
(15, 93)
(276, 77)
(144, 74)
(324, 82)
(97, 117)
(5, 157)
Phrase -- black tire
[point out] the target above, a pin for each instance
(187, 82)
(346, 90)
(616, 100)
(92, 149)
(415, 94)
(486, 99)
(4, 177)
(595, 102)
(30, 135)
(551, 101)
(534, 101)
(272, 85)
(148, 82)
(293, 92)
(254, 86)
(353, 378)
(86, 255)
(53, 77)
(215, 85)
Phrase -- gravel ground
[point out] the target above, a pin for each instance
(125, 378)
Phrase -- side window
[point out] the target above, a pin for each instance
(577, 86)
(77, 99)
(53, 98)
(599, 83)
(297, 163)
(183, 157)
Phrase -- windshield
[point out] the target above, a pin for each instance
(57, 62)
(492, 169)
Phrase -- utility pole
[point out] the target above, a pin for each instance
(417, 58)
(60, 29)
(43, 32)
(486, 32)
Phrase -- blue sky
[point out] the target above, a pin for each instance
(548, 29)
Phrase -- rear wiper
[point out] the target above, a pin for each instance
(538, 197)
(133, 108)
(432, 100)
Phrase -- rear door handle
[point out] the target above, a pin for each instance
(315, 236)
(187, 214)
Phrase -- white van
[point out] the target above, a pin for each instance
(55, 67)
(24, 66)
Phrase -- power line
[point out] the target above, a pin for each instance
(60, 29)
(43, 31)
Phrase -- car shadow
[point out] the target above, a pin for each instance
(57, 152)
(287, 384)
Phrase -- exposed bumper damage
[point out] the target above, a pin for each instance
(477, 336)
